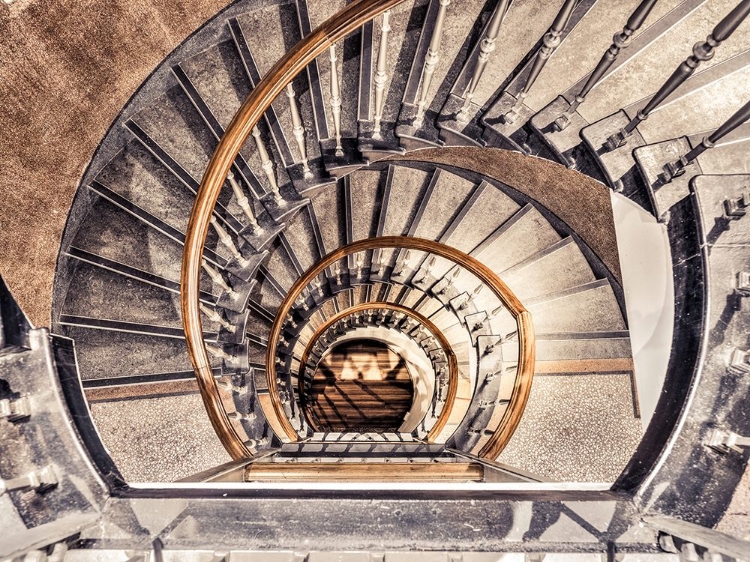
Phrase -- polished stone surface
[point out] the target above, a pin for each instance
(593, 435)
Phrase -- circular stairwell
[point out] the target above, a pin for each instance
(117, 285)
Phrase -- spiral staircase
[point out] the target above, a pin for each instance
(382, 275)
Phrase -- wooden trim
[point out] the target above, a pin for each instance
(444, 343)
(247, 117)
(365, 472)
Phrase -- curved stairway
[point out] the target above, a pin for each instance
(308, 182)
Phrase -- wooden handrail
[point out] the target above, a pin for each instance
(256, 103)
(433, 329)
(274, 411)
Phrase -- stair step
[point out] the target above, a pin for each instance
(367, 197)
(591, 307)
(138, 431)
(106, 294)
(102, 354)
(559, 267)
(517, 240)
(445, 197)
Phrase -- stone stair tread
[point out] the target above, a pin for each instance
(120, 237)
(559, 267)
(137, 176)
(177, 127)
(219, 77)
(104, 294)
(366, 193)
(592, 307)
(595, 348)
(280, 266)
(442, 204)
(407, 185)
(300, 234)
(138, 431)
(485, 212)
(328, 204)
(517, 240)
(103, 354)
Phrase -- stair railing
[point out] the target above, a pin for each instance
(620, 41)
(246, 119)
(239, 130)
(702, 51)
(550, 42)
(300, 293)
(677, 168)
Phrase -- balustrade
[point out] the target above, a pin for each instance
(299, 131)
(336, 100)
(486, 48)
(380, 75)
(550, 42)
(267, 166)
(701, 52)
(620, 41)
(244, 203)
(431, 61)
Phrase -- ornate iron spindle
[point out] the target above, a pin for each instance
(299, 131)
(701, 52)
(674, 169)
(431, 60)
(267, 165)
(550, 42)
(620, 41)
(486, 47)
(336, 100)
(380, 76)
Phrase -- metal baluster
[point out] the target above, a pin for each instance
(431, 60)
(674, 169)
(701, 52)
(336, 100)
(550, 42)
(299, 131)
(226, 239)
(243, 202)
(216, 317)
(217, 278)
(380, 76)
(486, 47)
(620, 41)
(267, 166)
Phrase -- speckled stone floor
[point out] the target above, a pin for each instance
(576, 428)
(159, 439)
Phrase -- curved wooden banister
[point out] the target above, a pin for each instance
(434, 330)
(257, 102)
(271, 403)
